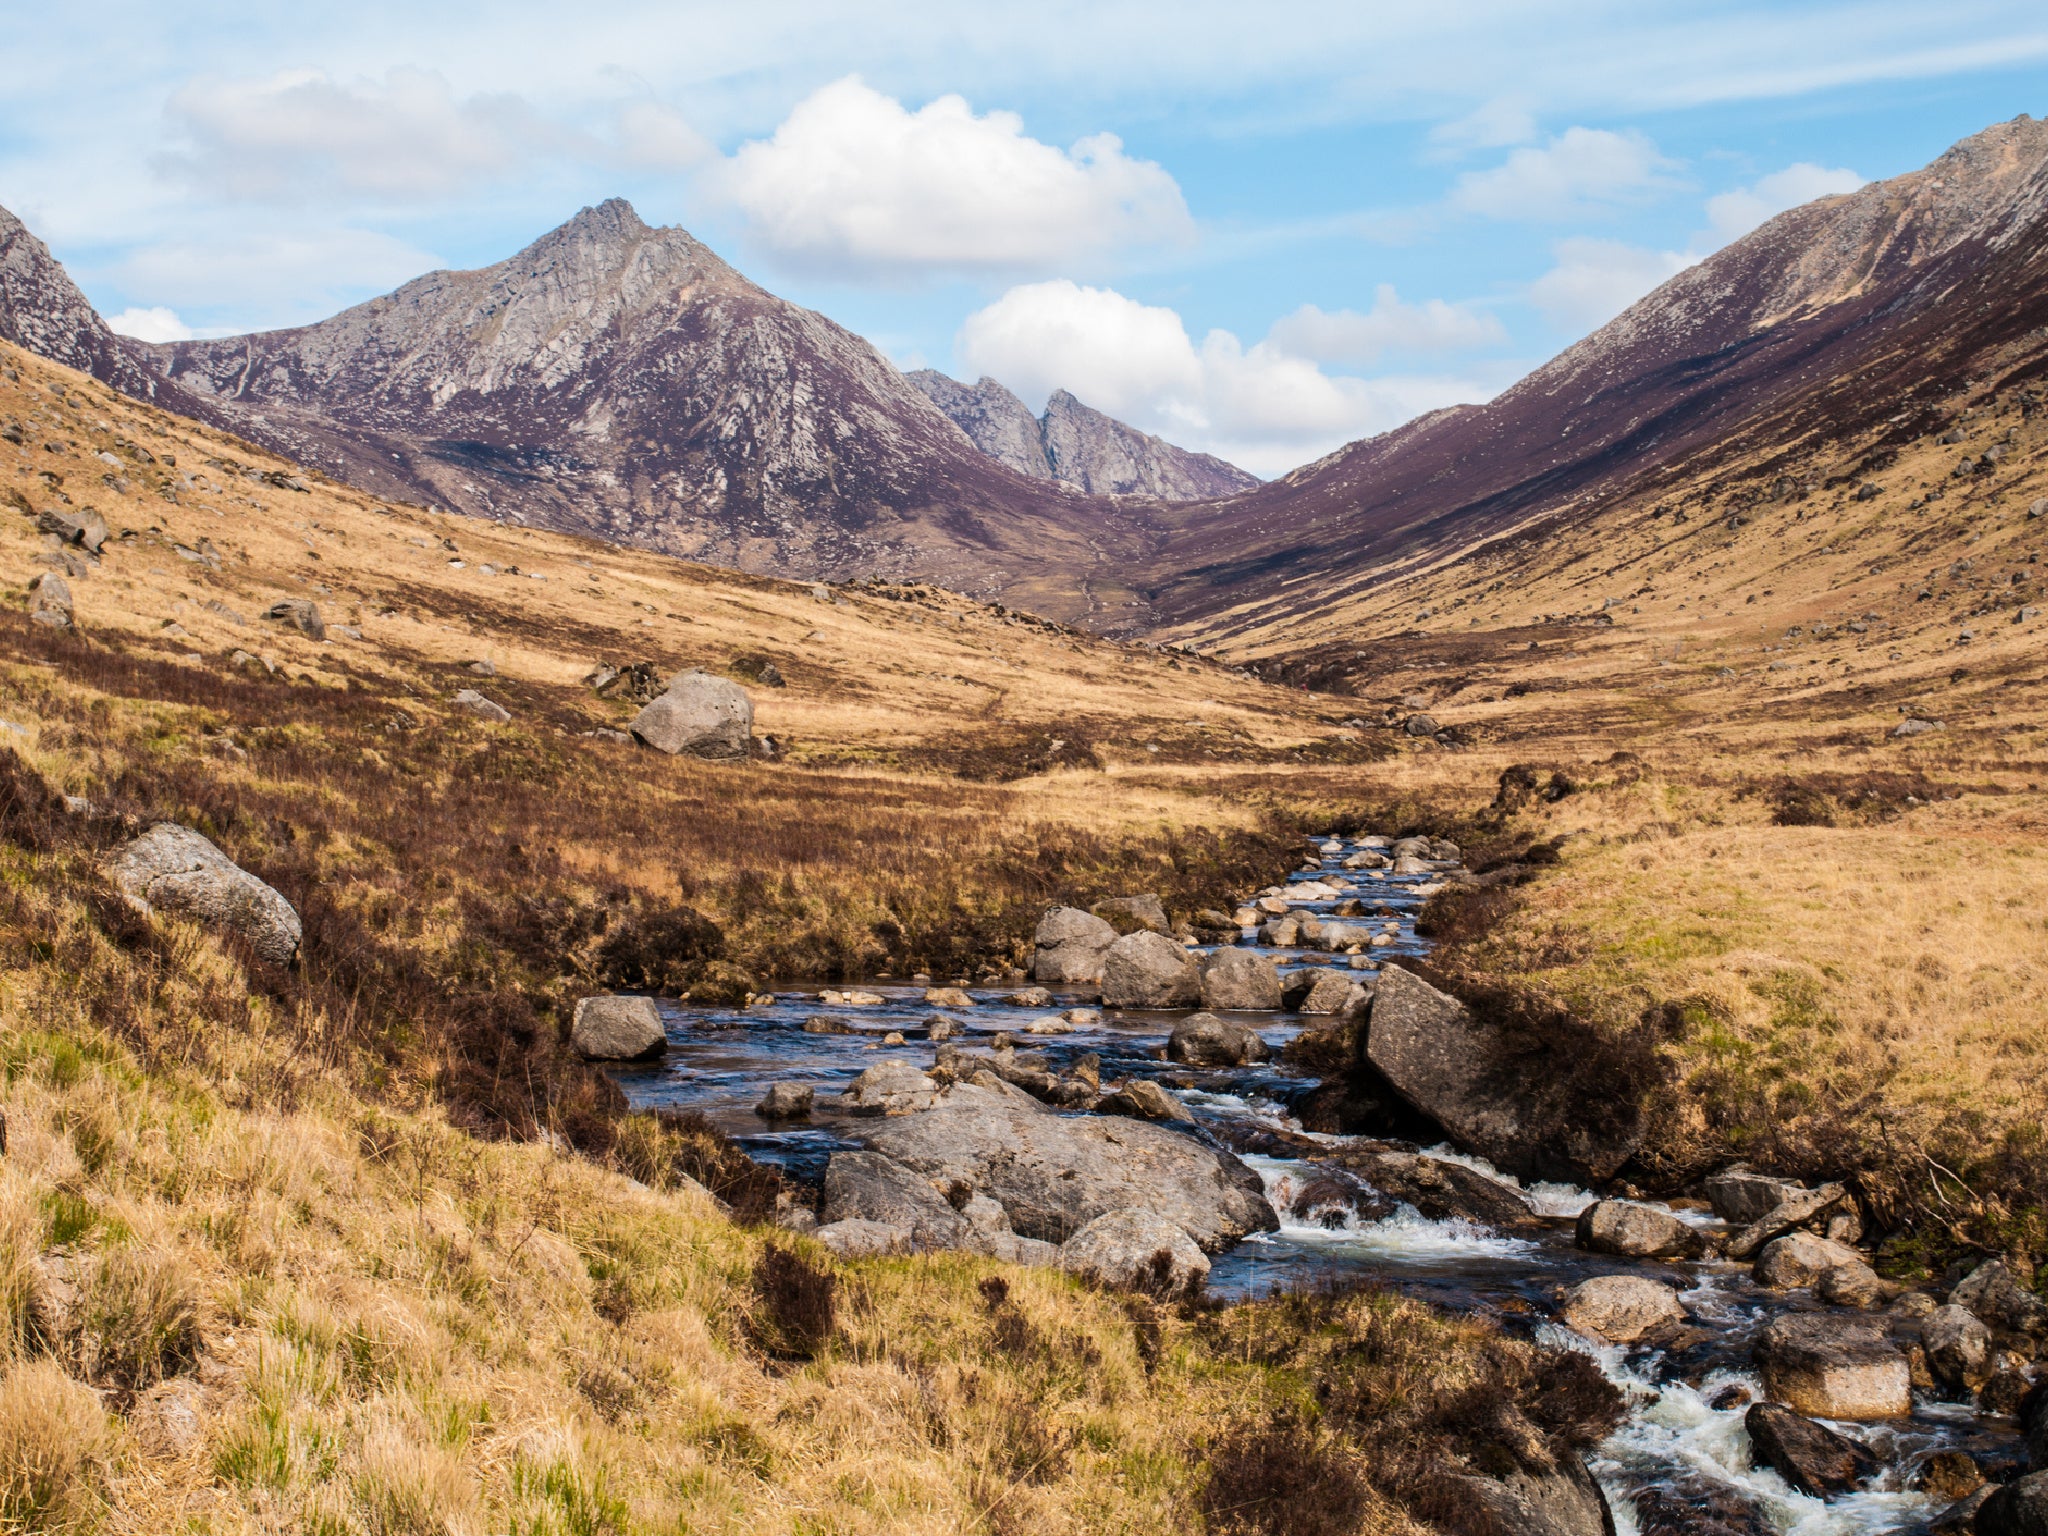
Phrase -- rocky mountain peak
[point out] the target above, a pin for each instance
(42, 311)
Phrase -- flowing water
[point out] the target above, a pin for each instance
(721, 1061)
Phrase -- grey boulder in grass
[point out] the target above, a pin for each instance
(174, 869)
(702, 715)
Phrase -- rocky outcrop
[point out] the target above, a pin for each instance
(1076, 444)
(1958, 1348)
(864, 1186)
(617, 1028)
(1136, 1251)
(1833, 1368)
(42, 311)
(1240, 980)
(1811, 1457)
(1519, 1105)
(175, 869)
(1053, 1174)
(1637, 1232)
(1439, 1190)
(702, 715)
(1149, 970)
(1071, 947)
(1621, 1308)
(1204, 1040)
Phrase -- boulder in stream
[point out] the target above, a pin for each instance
(1621, 1308)
(1204, 1040)
(1958, 1348)
(1795, 1210)
(786, 1101)
(1834, 1367)
(1798, 1259)
(1811, 1457)
(1637, 1232)
(1240, 980)
(1071, 946)
(887, 1088)
(1323, 990)
(610, 1028)
(1149, 970)
(1438, 1190)
(1740, 1196)
(2017, 1509)
(1136, 1251)
(1996, 1298)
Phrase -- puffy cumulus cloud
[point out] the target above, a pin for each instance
(1260, 406)
(852, 179)
(405, 138)
(1595, 280)
(1347, 336)
(157, 324)
(1734, 214)
(1576, 172)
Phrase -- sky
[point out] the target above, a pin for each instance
(1260, 231)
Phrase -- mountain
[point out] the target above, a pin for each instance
(1832, 319)
(42, 311)
(621, 380)
(1078, 445)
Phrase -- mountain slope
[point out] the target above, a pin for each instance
(1079, 445)
(1830, 319)
(622, 380)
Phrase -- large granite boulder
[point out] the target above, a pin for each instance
(865, 1186)
(1800, 1258)
(1992, 1294)
(610, 1028)
(1204, 1040)
(49, 601)
(174, 868)
(1053, 1174)
(1439, 1190)
(1532, 1108)
(702, 715)
(887, 1088)
(1637, 1232)
(1834, 1367)
(1071, 947)
(1137, 1251)
(1240, 980)
(2018, 1509)
(1811, 1457)
(1740, 1196)
(1621, 1308)
(1149, 970)
(1958, 1348)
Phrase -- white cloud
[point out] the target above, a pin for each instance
(1259, 406)
(1494, 124)
(1734, 214)
(853, 179)
(158, 324)
(287, 279)
(1595, 280)
(1347, 336)
(657, 138)
(1578, 171)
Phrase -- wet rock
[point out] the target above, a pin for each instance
(860, 1239)
(1136, 1251)
(888, 1088)
(303, 614)
(609, 1028)
(2012, 1377)
(1322, 991)
(1740, 1196)
(825, 1024)
(1798, 1259)
(1149, 970)
(702, 715)
(1143, 1099)
(1334, 1198)
(1833, 1367)
(1811, 1457)
(174, 868)
(1621, 1308)
(2017, 1509)
(1949, 1476)
(1958, 1348)
(1637, 1232)
(1131, 914)
(1204, 1040)
(1236, 979)
(1072, 945)
(1054, 1174)
(948, 997)
(864, 1186)
(471, 702)
(786, 1101)
(1029, 997)
(1960, 1518)
(1439, 1190)
(1996, 1298)
(1281, 933)
(1562, 1501)
(1795, 1210)
(1853, 1285)
(1527, 1115)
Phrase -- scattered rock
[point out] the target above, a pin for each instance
(825, 1024)
(1620, 1308)
(1800, 1258)
(1795, 1210)
(1143, 1099)
(1561, 1501)
(1137, 1251)
(1322, 991)
(1948, 1476)
(1853, 1285)
(1958, 1348)
(173, 867)
(49, 602)
(1071, 947)
(1811, 1457)
(702, 715)
(1149, 970)
(1740, 1197)
(1418, 725)
(947, 997)
(786, 1101)
(1235, 979)
(613, 1028)
(1833, 1367)
(2017, 1509)
(1915, 727)
(1204, 1040)
(888, 1088)
(1128, 914)
(2012, 1378)
(1960, 1518)
(303, 614)
(1029, 997)
(474, 703)
(861, 1239)
(1439, 1190)
(484, 667)
(1993, 1295)
(84, 528)
(1637, 1232)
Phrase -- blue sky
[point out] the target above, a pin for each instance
(1261, 231)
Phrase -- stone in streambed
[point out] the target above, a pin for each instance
(611, 1028)
(1439, 1190)
(1136, 1251)
(1143, 1099)
(1240, 980)
(1204, 1040)
(1958, 1348)
(1795, 1210)
(1811, 1457)
(1621, 1308)
(1834, 1367)
(1071, 947)
(1149, 970)
(177, 869)
(1637, 1232)
(1740, 1196)
(786, 1101)
(1322, 991)
(1799, 1258)
(888, 1088)
(2017, 1509)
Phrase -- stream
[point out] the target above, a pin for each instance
(721, 1061)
